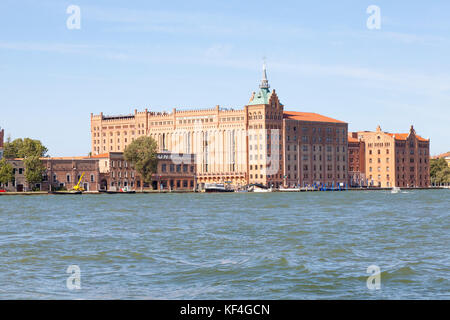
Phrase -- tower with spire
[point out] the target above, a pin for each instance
(265, 115)
(264, 95)
(264, 82)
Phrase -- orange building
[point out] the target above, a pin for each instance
(260, 143)
(396, 159)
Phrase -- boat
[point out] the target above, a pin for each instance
(216, 187)
(289, 189)
(65, 192)
(262, 190)
(121, 192)
(395, 190)
(114, 190)
(259, 188)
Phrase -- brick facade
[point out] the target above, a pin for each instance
(249, 145)
(396, 159)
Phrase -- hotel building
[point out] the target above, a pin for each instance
(394, 159)
(260, 143)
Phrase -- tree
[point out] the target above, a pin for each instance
(34, 169)
(6, 171)
(141, 154)
(439, 171)
(22, 148)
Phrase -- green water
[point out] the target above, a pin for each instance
(226, 246)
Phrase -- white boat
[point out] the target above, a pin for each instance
(216, 187)
(289, 189)
(259, 188)
(262, 190)
(395, 190)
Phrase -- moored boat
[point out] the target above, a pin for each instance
(259, 188)
(65, 192)
(216, 187)
(289, 189)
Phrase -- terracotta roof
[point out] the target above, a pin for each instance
(66, 158)
(56, 158)
(443, 155)
(404, 136)
(103, 155)
(351, 139)
(308, 116)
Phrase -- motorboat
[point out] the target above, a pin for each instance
(216, 187)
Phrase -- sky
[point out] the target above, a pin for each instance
(321, 57)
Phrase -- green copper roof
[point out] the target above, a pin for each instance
(261, 97)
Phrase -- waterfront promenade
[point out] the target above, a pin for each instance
(36, 193)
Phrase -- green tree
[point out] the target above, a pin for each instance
(6, 171)
(142, 155)
(34, 169)
(22, 148)
(439, 171)
(10, 149)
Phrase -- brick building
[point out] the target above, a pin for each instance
(171, 172)
(396, 159)
(63, 172)
(107, 171)
(356, 161)
(259, 143)
(315, 149)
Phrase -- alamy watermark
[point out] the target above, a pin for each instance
(73, 282)
(374, 20)
(374, 280)
(74, 20)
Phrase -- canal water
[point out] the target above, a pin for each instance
(315, 245)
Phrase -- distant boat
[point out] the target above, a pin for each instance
(114, 192)
(65, 192)
(289, 189)
(216, 187)
(259, 188)
(395, 190)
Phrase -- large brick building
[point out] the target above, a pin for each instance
(395, 159)
(259, 143)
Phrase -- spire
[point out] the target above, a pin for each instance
(264, 82)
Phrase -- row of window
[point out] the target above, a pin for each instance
(319, 130)
(177, 168)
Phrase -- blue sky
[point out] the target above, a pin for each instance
(321, 58)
